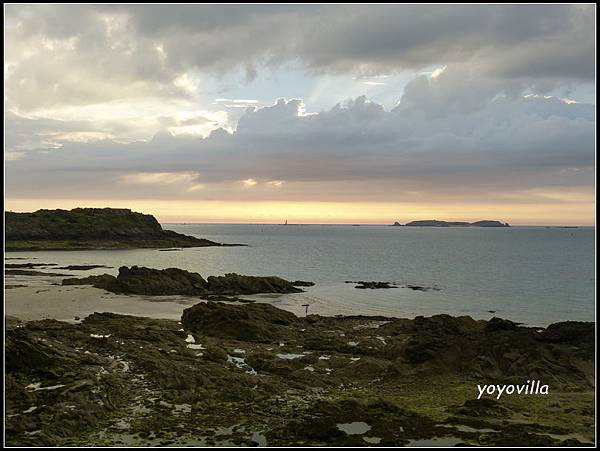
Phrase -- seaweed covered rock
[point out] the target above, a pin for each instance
(252, 322)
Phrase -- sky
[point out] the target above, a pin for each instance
(306, 113)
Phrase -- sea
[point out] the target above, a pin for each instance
(532, 275)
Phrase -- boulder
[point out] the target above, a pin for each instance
(500, 324)
(251, 322)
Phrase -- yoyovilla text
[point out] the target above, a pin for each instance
(528, 388)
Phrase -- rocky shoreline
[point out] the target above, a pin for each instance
(252, 374)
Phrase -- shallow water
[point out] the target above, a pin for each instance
(534, 275)
(355, 428)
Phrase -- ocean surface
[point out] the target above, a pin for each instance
(534, 275)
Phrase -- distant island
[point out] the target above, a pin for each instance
(91, 228)
(436, 223)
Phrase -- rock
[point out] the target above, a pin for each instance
(81, 384)
(237, 284)
(374, 285)
(82, 267)
(302, 283)
(91, 228)
(175, 281)
(421, 288)
(28, 265)
(30, 272)
(252, 322)
(482, 407)
(397, 224)
(103, 281)
(500, 324)
(223, 298)
(148, 281)
(569, 332)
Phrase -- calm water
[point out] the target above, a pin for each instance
(528, 274)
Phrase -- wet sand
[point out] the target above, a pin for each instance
(65, 303)
(43, 297)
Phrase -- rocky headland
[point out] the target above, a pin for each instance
(231, 374)
(91, 228)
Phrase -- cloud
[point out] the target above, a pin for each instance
(105, 52)
(450, 137)
(127, 70)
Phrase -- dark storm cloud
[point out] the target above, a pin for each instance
(506, 40)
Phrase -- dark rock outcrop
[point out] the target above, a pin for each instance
(82, 267)
(174, 281)
(31, 272)
(237, 284)
(374, 285)
(302, 283)
(91, 228)
(501, 324)
(255, 322)
(561, 354)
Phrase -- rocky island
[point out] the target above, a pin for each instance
(91, 228)
(436, 223)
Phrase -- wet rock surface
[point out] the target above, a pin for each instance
(172, 281)
(232, 374)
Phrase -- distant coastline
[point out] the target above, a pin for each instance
(436, 223)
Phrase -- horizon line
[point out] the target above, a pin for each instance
(359, 224)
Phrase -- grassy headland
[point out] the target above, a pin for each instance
(91, 228)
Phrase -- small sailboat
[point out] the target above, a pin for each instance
(285, 222)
